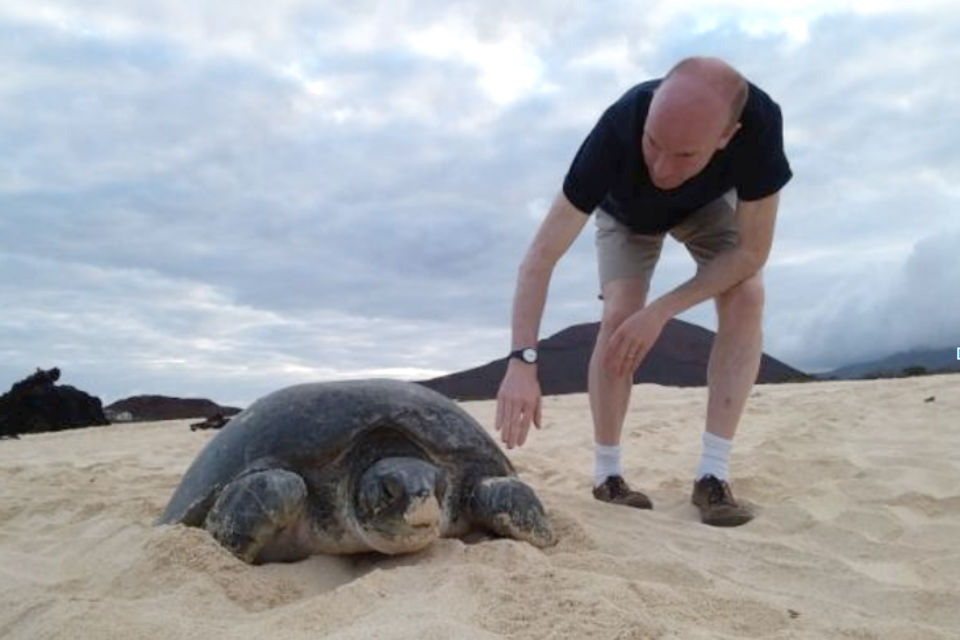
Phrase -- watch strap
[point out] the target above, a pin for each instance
(518, 354)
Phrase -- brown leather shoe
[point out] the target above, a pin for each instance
(717, 505)
(615, 490)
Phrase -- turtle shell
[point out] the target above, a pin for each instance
(327, 431)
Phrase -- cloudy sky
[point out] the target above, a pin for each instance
(218, 199)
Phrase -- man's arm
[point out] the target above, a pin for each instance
(518, 400)
(631, 342)
(557, 232)
(755, 220)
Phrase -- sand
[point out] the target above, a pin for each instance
(856, 485)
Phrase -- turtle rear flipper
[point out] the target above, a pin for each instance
(253, 508)
(510, 508)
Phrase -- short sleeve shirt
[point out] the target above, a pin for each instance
(609, 170)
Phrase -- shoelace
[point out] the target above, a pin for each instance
(618, 488)
(716, 492)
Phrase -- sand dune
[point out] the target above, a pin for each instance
(857, 486)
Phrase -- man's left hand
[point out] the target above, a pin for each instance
(632, 341)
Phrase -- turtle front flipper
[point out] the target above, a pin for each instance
(253, 508)
(510, 508)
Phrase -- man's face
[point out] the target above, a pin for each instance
(669, 164)
(680, 137)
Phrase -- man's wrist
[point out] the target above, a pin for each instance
(516, 364)
(726, 270)
(662, 308)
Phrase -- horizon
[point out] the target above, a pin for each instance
(106, 401)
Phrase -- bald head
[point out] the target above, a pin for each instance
(694, 112)
(712, 76)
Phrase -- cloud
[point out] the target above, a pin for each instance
(100, 324)
(898, 308)
(229, 198)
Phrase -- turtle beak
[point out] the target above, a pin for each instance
(423, 511)
(425, 494)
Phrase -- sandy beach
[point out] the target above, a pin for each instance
(856, 485)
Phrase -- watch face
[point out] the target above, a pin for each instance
(529, 355)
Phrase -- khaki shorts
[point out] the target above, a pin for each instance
(621, 253)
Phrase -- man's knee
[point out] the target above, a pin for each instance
(744, 298)
(621, 299)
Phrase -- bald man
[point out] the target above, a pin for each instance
(697, 155)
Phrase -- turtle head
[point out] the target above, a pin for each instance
(398, 504)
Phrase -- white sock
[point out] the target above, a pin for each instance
(715, 458)
(606, 462)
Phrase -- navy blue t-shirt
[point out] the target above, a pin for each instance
(609, 171)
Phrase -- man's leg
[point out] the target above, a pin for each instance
(610, 394)
(731, 372)
(735, 356)
(734, 363)
(734, 359)
(626, 262)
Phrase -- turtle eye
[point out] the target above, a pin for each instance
(367, 499)
(392, 487)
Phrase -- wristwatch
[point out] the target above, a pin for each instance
(528, 355)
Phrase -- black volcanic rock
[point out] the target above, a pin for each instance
(679, 358)
(216, 421)
(37, 403)
(150, 408)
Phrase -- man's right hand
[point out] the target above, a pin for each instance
(518, 403)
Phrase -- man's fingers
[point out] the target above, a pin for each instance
(524, 425)
(631, 359)
(614, 361)
(513, 424)
(620, 353)
(641, 354)
(612, 355)
(513, 416)
(519, 426)
(620, 358)
(505, 429)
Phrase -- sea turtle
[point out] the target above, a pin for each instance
(352, 467)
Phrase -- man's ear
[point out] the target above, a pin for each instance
(728, 135)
